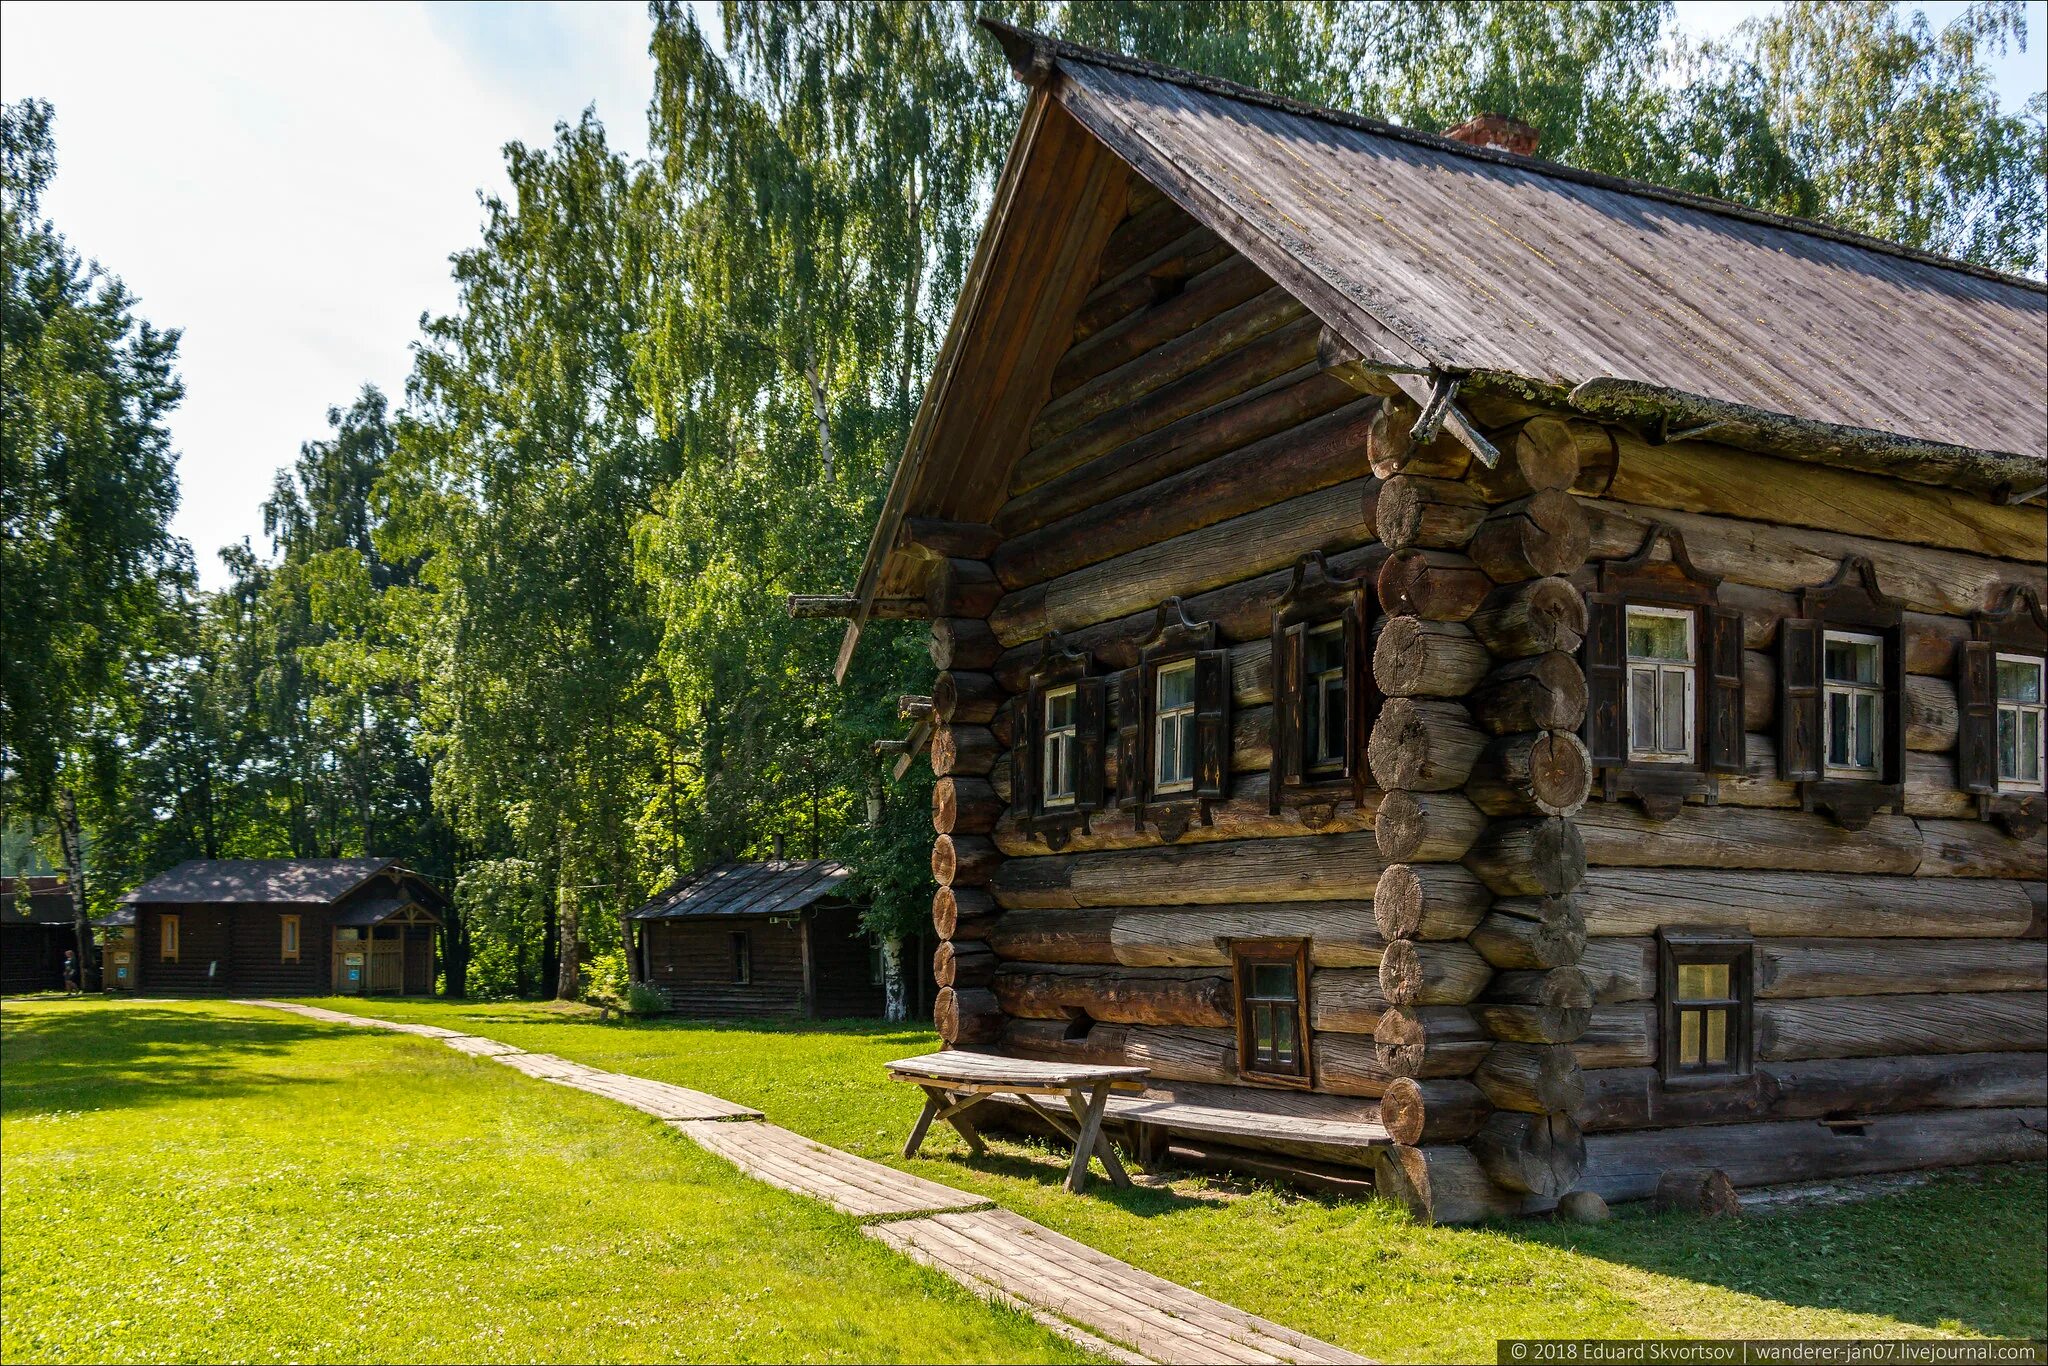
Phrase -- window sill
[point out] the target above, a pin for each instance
(1276, 1079)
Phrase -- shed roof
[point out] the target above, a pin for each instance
(306, 881)
(773, 888)
(48, 903)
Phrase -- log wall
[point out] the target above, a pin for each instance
(1482, 929)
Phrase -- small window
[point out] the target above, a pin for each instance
(288, 938)
(1706, 989)
(742, 958)
(1060, 732)
(167, 944)
(1173, 738)
(1852, 677)
(1271, 978)
(1325, 731)
(2022, 724)
(1662, 672)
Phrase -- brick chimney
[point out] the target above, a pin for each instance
(1499, 132)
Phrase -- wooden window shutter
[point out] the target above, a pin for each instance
(1026, 762)
(1091, 725)
(1723, 750)
(1132, 774)
(1212, 724)
(1977, 728)
(1799, 700)
(1894, 762)
(1362, 697)
(1290, 644)
(1606, 664)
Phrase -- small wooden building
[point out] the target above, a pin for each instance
(1507, 678)
(34, 932)
(282, 927)
(763, 939)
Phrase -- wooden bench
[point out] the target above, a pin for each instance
(955, 1083)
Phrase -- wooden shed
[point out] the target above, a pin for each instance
(1505, 678)
(34, 932)
(285, 927)
(763, 939)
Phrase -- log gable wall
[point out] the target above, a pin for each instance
(1482, 952)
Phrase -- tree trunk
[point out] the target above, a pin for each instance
(74, 870)
(567, 978)
(893, 1006)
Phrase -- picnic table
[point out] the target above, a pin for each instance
(955, 1083)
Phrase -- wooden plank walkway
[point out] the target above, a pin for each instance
(849, 1184)
(1000, 1251)
(1105, 1306)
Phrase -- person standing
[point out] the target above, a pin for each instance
(71, 987)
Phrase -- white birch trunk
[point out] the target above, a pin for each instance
(893, 1007)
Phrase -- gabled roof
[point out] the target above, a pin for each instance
(776, 888)
(306, 881)
(1440, 263)
(48, 902)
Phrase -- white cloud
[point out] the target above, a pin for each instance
(286, 183)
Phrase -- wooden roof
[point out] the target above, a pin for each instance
(775, 888)
(1439, 262)
(48, 902)
(309, 881)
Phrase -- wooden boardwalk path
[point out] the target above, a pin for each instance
(1105, 1306)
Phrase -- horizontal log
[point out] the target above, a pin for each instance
(1412, 657)
(1534, 932)
(1308, 869)
(1150, 222)
(965, 698)
(1549, 1006)
(1534, 773)
(1534, 1078)
(1149, 278)
(1979, 849)
(1437, 901)
(1539, 1155)
(1170, 997)
(1536, 617)
(1445, 973)
(1621, 970)
(1225, 285)
(1345, 1000)
(1426, 827)
(969, 751)
(1930, 786)
(1429, 1041)
(958, 963)
(1174, 1055)
(1529, 856)
(1620, 835)
(1792, 558)
(1877, 967)
(1393, 440)
(964, 860)
(1618, 1036)
(1538, 454)
(1628, 1166)
(913, 707)
(963, 643)
(1929, 709)
(1348, 1065)
(1542, 692)
(963, 913)
(1886, 1026)
(964, 806)
(1636, 901)
(1340, 934)
(1194, 562)
(1636, 1097)
(1438, 585)
(1543, 535)
(1423, 745)
(961, 588)
(1325, 450)
(1055, 936)
(1246, 815)
(1443, 1111)
(1443, 1185)
(944, 540)
(967, 1016)
(1436, 514)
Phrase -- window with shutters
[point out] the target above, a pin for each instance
(1841, 733)
(1704, 983)
(1324, 696)
(2020, 723)
(1057, 748)
(1057, 759)
(1173, 728)
(1664, 680)
(1852, 704)
(1271, 979)
(167, 938)
(288, 938)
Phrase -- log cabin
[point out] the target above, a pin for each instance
(755, 940)
(1496, 678)
(280, 927)
(36, 926)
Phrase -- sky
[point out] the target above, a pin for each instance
(285, 183)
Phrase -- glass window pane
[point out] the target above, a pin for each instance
(1717, 1036)
(1312, 727)
(1714, 981)
(1652, 635)
(1273, 981)
(2019, 680)
(1671, 710)
(1334, 721)
(2030, 746)
(1059, 711)
(1326, 649)
(1688, 1038)
(1642, 708)
(1838, 728)
(1692, 982)
(1262, 1033)
(2008, 743)
(1177, 686)
(1283, 1036)
(1852, 659)
(1866, 730)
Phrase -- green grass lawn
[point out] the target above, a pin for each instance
(205, 1182)
(1962, 1255)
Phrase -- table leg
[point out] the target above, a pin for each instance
(1112, 1165)
(956, 1115)
(934, 1101)
(1090, 1116)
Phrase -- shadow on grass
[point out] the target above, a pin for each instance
(1963, 1252)
(137, 1055)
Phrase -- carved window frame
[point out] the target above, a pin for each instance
(1850, 604)
(2015, 626)
(1058, 669)
(1315, 600)
(1174, 640)
(1246, 955)
(1718, 745)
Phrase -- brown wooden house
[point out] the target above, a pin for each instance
(763, 939)
(34, 932)
(281, 927)
(1505, 678)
